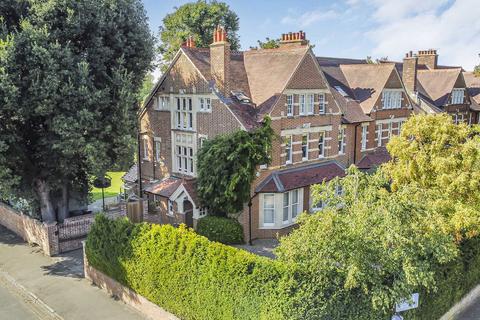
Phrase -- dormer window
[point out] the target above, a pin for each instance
(458, 96)
(392, 99)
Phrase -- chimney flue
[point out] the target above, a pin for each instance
(220, 60)
(293, 39)
(409, 73)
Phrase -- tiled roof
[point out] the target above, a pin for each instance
(351, 110)
(372, 160)
(268, 70)
(473, 85)
(131, 175)
(367, 81)
(164, 188)
(437, 84)
(191, 187)
(298, 177)
(330, 61)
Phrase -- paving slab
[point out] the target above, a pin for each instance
(57, 282)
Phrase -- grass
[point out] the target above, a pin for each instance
(113, 190)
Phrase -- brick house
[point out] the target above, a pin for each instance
(437, 88)
(327, 113)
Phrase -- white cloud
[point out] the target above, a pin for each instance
(451, 28)
(308, 18)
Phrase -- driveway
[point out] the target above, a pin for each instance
(54, 288)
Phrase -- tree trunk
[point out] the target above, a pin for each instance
(64, 205)
(46, 206)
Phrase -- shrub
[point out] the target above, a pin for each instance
(220, 229)
(192, 277)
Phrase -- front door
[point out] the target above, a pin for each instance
(188, 211)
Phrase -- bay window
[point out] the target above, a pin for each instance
(279, 210)
(269, 209)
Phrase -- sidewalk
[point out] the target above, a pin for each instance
(58, 282)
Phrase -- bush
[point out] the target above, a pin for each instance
(224, 230)
(192, 277)
(454, 280)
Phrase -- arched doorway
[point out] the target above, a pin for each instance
(188, 211)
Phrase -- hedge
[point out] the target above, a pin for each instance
(220, 229)
(454, 281)
(192, 277)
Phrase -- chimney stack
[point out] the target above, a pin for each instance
(409, 74)
(293, 39)
(190, 43)
(428, 58)
(220, 60)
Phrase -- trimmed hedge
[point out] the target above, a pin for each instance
(220, 229)
(455, 280)
(192, 277)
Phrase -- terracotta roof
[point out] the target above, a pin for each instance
(473, 85)
(372, 160)
(367, 81)
(351, 110)
(437, 84)
(131, 175)
(164, 188)
(293, 178)
(269, 70)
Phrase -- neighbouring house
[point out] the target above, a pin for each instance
(436, 88)
(327, 114)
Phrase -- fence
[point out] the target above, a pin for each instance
(53, 238)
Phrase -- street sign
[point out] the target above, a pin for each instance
(407, 304)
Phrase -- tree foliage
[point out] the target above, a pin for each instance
(227, 166)
(476, 70)
(197, 19)
(69, 75)
(394, 232)
(269, 43)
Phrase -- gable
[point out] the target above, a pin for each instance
(393, 81)
(307, 75)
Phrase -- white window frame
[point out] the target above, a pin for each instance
(289, 105)
(391, 99)
(170, 207)
(364, 137)
(341, 140)
(202, 212)
(146, 156)
(458, 96)
(321, 145)
(321, 103)
(288, 149)
(290, 207)
(302, 104)
(184, 113)
(184, 153)
(306, 136)
(158, 148)
(204, 104)
(265, 208)
(310, 104)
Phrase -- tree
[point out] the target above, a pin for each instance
(367, 249)
(146, 88)
(476, 71)
(197, 19)
(69, 76)
(442, 161)
(227, 166)
(269, 43)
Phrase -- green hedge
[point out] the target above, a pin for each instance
(454, 280)
(220, 229)
(192, 277)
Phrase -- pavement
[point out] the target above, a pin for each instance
(97, 206)
(34, 286)
(471, 311)
(261, 247)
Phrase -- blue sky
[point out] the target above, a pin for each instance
(359, 28)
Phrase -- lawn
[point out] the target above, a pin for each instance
(114, 189)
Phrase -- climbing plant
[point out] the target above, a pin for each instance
(227, 166)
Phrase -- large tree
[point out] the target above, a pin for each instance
(69, 76)
(197, 19)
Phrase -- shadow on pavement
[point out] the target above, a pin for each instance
(9, 238)
(68, 264)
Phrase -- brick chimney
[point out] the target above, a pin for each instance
(293, 39)
(409, 74)
(220, 60)
(190, 43)
(428, 58)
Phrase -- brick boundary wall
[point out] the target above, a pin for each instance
(53, 238)
(128, 296)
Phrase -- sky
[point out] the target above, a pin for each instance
(358, 28)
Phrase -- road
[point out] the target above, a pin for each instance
(12, 307)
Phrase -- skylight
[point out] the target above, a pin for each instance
(342, 92)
